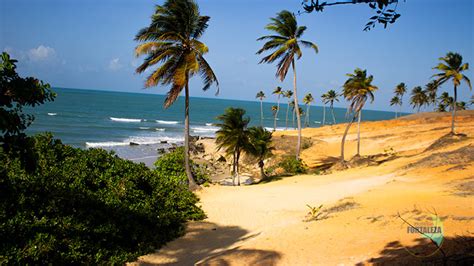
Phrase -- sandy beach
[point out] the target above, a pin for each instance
(266, 224)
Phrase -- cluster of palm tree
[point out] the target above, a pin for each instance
(172, 47)
(236, 138)
(399, 91)
(329, 98)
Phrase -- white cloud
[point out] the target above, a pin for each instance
(115, 64)
(41, 53)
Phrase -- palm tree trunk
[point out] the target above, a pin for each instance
(454, 109)
(192, 184)
(324, 114)
(276, 114)
(261, 112)
(287, 110)
(234, 170)
(307, 114)
(333, 116)
(297, 109)
(344, 138)
(262, 172)
(358, 133)
(237, 161)
(293, 118)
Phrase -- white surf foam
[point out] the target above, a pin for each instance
(167, 122)
(137, 140)
(208, 129)
(209, 124)
(160, 129)
(144, 128)
(52, 114)
(277, 129)
(126, 120)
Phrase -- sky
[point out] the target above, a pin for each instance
(89, 44)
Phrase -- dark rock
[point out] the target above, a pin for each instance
(163, 142)
(134, 144)
(161, 150)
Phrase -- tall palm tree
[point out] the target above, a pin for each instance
(357, 89)
(233, 136)
(431, 91)
(324, 100)
(400, 90)
(452, 68)
(330, 97)
(418, 98)
(260, 141)
(285, 46)
(172, 43)
(308, 99)
(287, 94)
(261, 95)
(278, 91)
(293, 112)
(395, 101)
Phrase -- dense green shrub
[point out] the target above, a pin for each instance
(172, 165)
(292, 166)
(86, 206)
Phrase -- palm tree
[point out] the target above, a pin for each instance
(275, 113)
(441, 108)
(418, 98)
(278, 91)
(357, 89)
(461, 106)
(172, 40)
(471, 102)
(285, 44)
(233, 136)
(260, 141)
(395, 101)
(293, 111)
(400, 90)
(287, 94)
(446, 100)
(323, 99)
(261, 95)
(307, 100)
(431, 90)
(330, 97)
(452, 67)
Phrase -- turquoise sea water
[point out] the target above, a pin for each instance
(111, 120)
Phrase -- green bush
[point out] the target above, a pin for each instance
(293, 166)
(86, 207)
(172, 165)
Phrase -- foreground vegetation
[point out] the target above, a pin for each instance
(64, 205)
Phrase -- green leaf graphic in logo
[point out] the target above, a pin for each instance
(436, 232)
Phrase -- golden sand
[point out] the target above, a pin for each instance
(266, 224)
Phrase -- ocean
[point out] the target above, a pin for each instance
(112, 120)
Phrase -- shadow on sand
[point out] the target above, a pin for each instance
(210, 244)
(458, 250)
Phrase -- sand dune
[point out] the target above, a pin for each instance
(266, 224)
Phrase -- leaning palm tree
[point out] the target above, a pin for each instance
(260, 141)
(330, 97)
(395, 101)
(278, 91)
(357, 89)
(418, 98)
(171, 43)
(261, 95)
(431, 91)
(287, 94)
(400, 90)
(233, 136)
(452, 67)
(285, 44)
(307, 100)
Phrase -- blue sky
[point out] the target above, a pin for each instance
(89, 44)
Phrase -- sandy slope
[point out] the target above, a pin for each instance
(266, 224)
